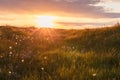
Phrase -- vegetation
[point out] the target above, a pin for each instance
(57, 54)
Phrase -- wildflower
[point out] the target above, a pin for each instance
(19, 40)
(1, 56)
(22, 60)
(10, 52)
(10, 55)
(45, 57)
(73, 47)
(10, 47)
(16, 38)
(9, 72)
(42, 68)
(16, 43)
(94, 74)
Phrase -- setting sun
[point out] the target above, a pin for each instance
(45, 21)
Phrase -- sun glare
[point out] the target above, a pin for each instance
(45, 21)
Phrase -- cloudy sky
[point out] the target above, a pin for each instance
(69, 13)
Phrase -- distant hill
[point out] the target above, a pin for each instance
(103, 39)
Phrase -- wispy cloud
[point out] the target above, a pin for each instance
(82, 8)
(18, 10)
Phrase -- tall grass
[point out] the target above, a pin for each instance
(30, 54)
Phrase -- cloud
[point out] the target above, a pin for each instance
(84, 23)
(74, 25)
(82, 8)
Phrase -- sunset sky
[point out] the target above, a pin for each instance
(63, 13)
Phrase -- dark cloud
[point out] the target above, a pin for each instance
(81, 8)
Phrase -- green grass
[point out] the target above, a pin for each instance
(57, 54)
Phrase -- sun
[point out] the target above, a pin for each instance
(45, 21)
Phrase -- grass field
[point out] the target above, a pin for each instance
(58, 54)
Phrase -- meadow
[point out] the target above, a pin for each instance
(58, 54)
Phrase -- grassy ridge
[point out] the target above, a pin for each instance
(57, 54)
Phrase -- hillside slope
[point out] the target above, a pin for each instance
(58, 54)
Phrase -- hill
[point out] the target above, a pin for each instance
(58, 54)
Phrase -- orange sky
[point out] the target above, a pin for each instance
(66, 13)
